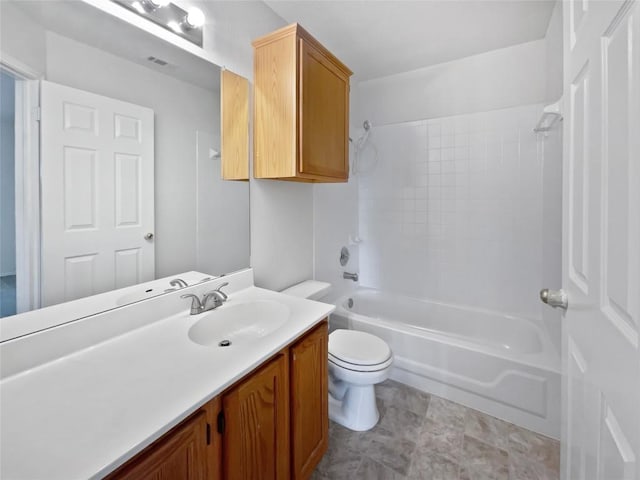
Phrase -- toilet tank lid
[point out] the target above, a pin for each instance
(311, 289)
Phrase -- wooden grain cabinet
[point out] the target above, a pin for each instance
(255, 440)
(301, 109)
(180, 454)
(234, 126)
(271, 425)
(309, 402)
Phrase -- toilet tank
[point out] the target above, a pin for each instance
(310, 289)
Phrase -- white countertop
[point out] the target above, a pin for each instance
(86, 413)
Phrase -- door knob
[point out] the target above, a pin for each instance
(148, 236)
(554, 298)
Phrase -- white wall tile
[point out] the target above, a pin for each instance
(469, 227)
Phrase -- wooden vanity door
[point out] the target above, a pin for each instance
(309, 401)
(181, 454)
(255, 441)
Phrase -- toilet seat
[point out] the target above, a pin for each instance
(361, 368)
(358, 351)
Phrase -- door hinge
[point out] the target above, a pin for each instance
(37, 114)
(208, 434)
(221, 422)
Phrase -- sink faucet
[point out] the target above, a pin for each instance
(178, 282)
(210, 300)
(350, 276)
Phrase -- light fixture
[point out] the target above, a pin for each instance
(157, 3)
(194, 18)
(186, 23)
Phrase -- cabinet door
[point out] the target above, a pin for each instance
(324, 115)
(309, 401)
(255, 441)
(180, 454)
(234, 130)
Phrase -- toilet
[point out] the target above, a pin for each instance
(357, 362)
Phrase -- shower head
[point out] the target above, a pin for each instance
(366, 125)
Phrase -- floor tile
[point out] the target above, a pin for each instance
(401, 422)
(355, 441)
(446, 412)
(390, 450)
(372, 470)
(411, 399)
(432, 467)
(482, 460)
(535, 447)
(442, 439)
(450, 442)
(339, 463)
(487, 429)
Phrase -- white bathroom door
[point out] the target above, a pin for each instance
(97, 180)
(601, 240)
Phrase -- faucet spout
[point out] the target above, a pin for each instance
(350, 276)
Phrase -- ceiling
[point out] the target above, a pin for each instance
(376, 38)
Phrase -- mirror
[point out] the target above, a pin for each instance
(129, 158)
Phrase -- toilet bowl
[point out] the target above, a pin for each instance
(357, 362)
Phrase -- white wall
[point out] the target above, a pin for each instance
(553, 55)
(7, 176)
(498, 79)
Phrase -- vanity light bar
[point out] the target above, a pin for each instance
(186, 24)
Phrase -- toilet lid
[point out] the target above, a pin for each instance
(358, 348)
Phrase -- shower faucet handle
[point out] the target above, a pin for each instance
(350, 276)
(554, 298)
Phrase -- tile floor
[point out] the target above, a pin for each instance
(422, 436)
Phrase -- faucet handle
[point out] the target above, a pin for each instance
(219, 290)
(196, 305)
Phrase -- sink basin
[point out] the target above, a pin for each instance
(240, 323)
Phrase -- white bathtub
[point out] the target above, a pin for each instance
(503, 365)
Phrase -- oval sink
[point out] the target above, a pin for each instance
(239, 323)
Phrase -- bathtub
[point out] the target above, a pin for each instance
(503, 365)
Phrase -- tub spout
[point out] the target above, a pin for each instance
(350, 276)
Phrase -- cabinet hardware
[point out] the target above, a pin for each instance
(221, 422)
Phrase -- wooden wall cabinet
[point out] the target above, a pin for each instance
(301, 109)
(271, 425)
(234, 126)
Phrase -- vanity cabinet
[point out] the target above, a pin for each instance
(309, 401)
(182, 453)
(272, 424)
(301, 109)
(255, 440)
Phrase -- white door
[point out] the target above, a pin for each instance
(97, 193)
(601, 240)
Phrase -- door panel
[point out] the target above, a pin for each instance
(97, 169)
(324, 114)
(601, 271)
(255, 442)
(309, 401)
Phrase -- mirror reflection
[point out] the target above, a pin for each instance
(118, 183)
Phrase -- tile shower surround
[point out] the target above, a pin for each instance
(452, 210)
(421, 436)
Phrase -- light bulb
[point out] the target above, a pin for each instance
(194, 18)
